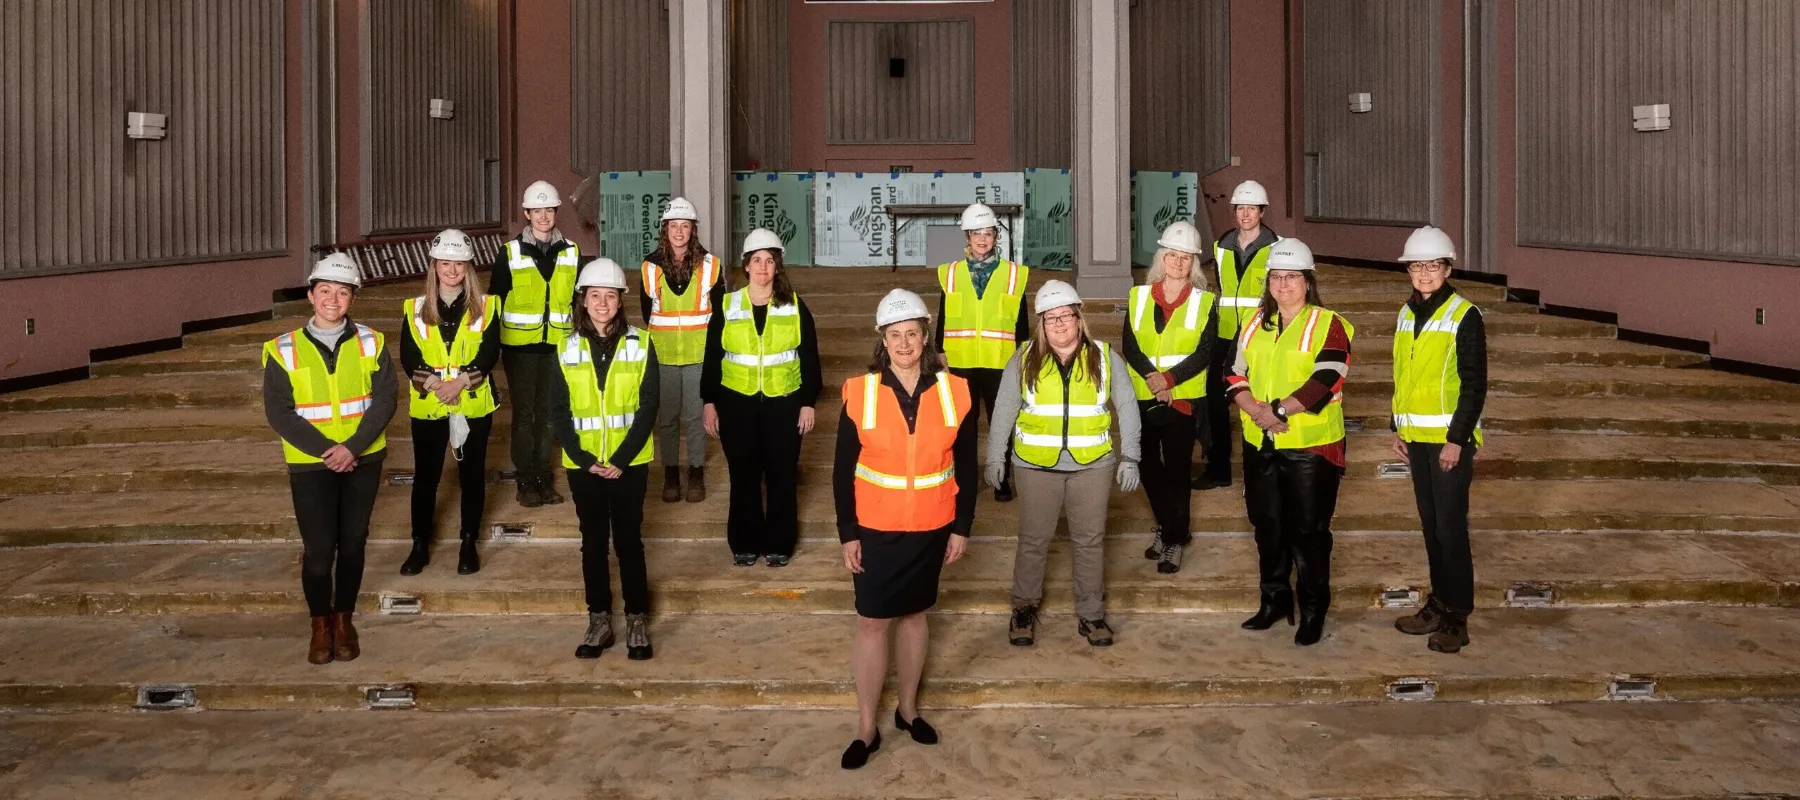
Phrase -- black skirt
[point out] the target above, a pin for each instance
(900, 572)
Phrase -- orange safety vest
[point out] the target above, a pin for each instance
(906, 480)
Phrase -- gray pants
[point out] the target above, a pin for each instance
(1043, 497)
(680, 397)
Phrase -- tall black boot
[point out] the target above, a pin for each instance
(418, 559)
(468, 561)
(1276, 603)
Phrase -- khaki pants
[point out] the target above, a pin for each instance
(1043, 497)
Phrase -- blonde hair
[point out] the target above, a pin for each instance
(1196, 276)
(473, 294)
(1031, 360)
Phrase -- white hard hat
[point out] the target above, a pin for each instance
(900, 305)
(762, 239)
(1290, 254)
(452, 245)
(541, 195)
(337, 268)
(602, 273)
(681, 208)
(979, 217)
(1249, 193)
(1428, 244)
(1182, 236)
(1056, 294)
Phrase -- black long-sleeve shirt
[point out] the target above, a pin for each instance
(278, 404)
(849, 448)
(544, 255)
(412, 360)
(712, 387)
(642, 421)
(1188, 367)
(1471, 361)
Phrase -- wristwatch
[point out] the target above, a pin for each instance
(1280, 413)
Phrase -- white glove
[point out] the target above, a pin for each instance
(996, 473)
(1128, 476)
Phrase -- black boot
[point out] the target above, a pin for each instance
(417, 560)
(1312, 627)
(1275, 605)
(468, 561)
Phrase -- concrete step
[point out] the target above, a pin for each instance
(1363, 505)
(1522, 415)
(249, 661)
(231, 389)
(1522, 752)
(239, 465)
(1218, 574)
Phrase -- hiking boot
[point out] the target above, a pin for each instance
(1427, 619)
(528, 494)
(1023, 628)
(1170, 563)
(599, 636)
(777, 560)
(1154, 551)
(696, 488)
(637, 637)
(671, 484)
(1097, 632)
(1452, 634)
(547, 490)
(743, 559)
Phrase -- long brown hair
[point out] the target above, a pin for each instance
(1272, 312)
(931, 362)
(1031, 362)
(473, 294)
(664, 255)
(783, 293)
(584, 325)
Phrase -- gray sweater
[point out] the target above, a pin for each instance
(1123, 402)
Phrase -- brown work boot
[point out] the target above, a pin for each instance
(528, 494)
(1097, 632)
(343, 636)
(1452, 634)
(1426, 620)
(319, 652)
(696, 488)
(1022, 630)
(671, 484)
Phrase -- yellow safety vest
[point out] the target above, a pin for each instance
(334, 402)
(767, 363)
(603, 416)
(1279, 365)
(536, 312)
(678, 321)
(979, 331)
(1179, 339)
(448, 360)
(1054, 417)
(1239, 300)
(1426, 383)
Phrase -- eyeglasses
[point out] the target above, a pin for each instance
(1061, 319)
(1427, 266)
(1285, 277)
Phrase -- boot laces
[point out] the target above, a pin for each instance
(1171, 553)
(637, 632)
(1024, 617)
(599, 626)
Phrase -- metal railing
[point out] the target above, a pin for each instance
(399, 259)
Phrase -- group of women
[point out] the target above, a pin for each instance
(743, 366)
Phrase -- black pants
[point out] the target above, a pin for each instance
(1167, 470)
(612, 508)
(431, 437)
(1291, 495)
(984, 387)
(1444, 514)
(333, 510)
(1217, 414)
(761, 439)
(528, 377)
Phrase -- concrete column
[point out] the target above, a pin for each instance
(1101, 68)
(699, 144)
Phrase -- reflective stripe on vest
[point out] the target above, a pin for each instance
(333, 402)
(447, 360)
(535, 312)
(1178, 340)
(1054, 417)
(905, 478)
(603, 415)
(1427, 383)
(1278, 365)
(765, 363)
(677, 322)
(980, 332)
(1238, 300)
